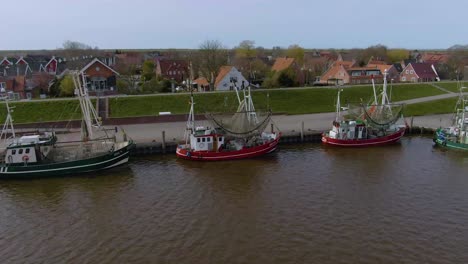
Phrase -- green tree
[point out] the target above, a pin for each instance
(397, 55)
(297, 52)
(286, 78)
(246, 49)
(67, 87)
(378, 52)
(147, 70)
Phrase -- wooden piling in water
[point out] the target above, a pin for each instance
(302, 131)
(164, 141)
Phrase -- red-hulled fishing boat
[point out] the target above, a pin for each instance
(367, 125)
(236, 137)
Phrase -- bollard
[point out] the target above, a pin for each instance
(164, 141)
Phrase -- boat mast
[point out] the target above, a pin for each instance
(375, 93)
(190, 128)
(8, 121)
(338, 107)
(384, 91)
(87, 108)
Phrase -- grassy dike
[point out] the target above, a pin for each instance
(42, 111)
(289, 101)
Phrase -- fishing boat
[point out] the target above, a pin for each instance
(455, 136)
(236, 136)
(43, 154)
(367, 124)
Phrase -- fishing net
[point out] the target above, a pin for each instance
(376, 115)
(241, 124)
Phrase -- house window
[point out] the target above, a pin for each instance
(98, 83)
(13, 151)
(411, 71)
(220, 139)
(20, 151)
(413, 79)
(403, 79)
(407, 71)
(27, 151)
(2, 85)
(198, 140)
(203, 140)
(208, 140)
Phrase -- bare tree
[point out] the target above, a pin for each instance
(212, 56)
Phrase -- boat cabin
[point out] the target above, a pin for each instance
(206, 139)
(348, 130)
(27, 149)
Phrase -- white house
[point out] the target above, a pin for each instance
(228, 74)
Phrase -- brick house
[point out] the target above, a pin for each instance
(100, 77)
(176, 70)
(337, 74)
(419, 72)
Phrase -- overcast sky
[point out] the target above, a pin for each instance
(140, 24)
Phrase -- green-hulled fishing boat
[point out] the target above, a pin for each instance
(42, 154)
(456, 136)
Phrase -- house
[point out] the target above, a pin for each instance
(14, 86)
(393, 74)
(419, 72)
(364, 75)
(337, 74)
(176, 70)
(227, 76)
(100, 77)
(201, 84)
(435, 58)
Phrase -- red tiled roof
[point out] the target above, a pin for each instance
(222, 72)
(434, 58)
(424, 70)
(345, 64)
(282, 64)
(201, 81)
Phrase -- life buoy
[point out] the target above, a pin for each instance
(25, 158)
(201, 145)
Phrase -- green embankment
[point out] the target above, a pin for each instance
(290, 101)
(442, 106)
(29, 112)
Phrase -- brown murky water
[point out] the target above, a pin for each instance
(406, 203)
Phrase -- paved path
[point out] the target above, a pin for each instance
(286, 123)
(431, 98)
(440, 88)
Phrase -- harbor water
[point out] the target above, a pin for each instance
(404, 203)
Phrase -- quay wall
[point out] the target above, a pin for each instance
(149, 148)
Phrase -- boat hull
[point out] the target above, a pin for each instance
(245, 153)
(388, 139)
(76, 167)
